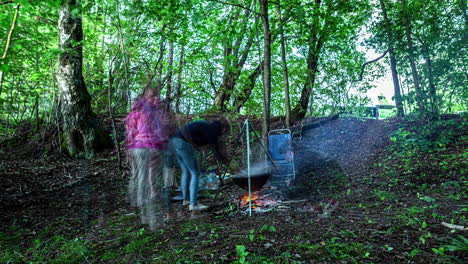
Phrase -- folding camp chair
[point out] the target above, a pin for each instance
(281, 166)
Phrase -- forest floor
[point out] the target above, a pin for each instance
(366, 191)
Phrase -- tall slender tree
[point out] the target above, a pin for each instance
(393, 60)
(315, 42)
(266, 68)
(285, 66)
(169, 74)
(420, 96)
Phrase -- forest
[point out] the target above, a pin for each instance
(388, 187)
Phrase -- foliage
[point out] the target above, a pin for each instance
(415, 146)
(432, 26)
(126, 48)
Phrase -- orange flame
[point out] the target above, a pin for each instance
(245, 199)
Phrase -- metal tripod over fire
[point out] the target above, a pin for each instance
(246, 127)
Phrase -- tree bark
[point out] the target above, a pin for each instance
(315, 46)
(266, 69)
(244, 94)
(393, 61)
(179, 79)
(159, 70)
(126, 95)
(285, 68)
(420, 97)
(169, 75)
(81, 128)
(430, 76)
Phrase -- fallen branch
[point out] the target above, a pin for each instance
(452, 226)
(293, 201)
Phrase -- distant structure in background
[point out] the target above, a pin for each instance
(376, 112)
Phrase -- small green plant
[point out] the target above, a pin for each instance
(268, 228)
(460, 243)
(413, 252)
(242, 253)
(385, 196)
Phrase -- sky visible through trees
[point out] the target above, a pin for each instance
(216, 59)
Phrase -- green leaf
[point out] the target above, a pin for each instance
(428, 199)
(4, 68)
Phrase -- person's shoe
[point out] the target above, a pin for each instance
(185, 202)
(198, 207)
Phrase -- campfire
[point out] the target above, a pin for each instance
(261, 201)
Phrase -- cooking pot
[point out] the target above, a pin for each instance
(259, 175)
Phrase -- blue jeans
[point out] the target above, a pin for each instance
(190, 170)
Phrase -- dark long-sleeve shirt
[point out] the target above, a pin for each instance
(202, 133)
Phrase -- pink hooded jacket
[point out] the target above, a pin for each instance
(146, 125)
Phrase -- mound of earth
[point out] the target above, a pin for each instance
(333, 151)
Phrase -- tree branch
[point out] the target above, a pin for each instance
(369, 62)
(7, 46)
(45, 20)
(7, 2)
(238, 5)
(13, 24)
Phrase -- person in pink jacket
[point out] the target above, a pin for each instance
(148, 129)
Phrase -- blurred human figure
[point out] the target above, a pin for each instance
(170, 182)
(197, 133)
(148, 128)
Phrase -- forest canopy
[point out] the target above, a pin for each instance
(205, 55)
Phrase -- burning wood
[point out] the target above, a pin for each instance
(260, 202)
(246, 199)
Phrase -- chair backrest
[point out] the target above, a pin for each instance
(279, 146)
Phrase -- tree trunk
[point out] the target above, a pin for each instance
(285, 68)
(315, 46)
(430, 76)
(266, 69)
(244, 94)
(159, 70)
(81, 128)
(169, 75)
(393, 62)
(179, 79)
(126, 94)
(234, 62)
(110, 92)
(420, 97)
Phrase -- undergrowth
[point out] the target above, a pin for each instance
(427, 162)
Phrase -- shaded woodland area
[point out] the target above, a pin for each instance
(367, 190)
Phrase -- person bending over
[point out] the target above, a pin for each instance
(196, 134)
